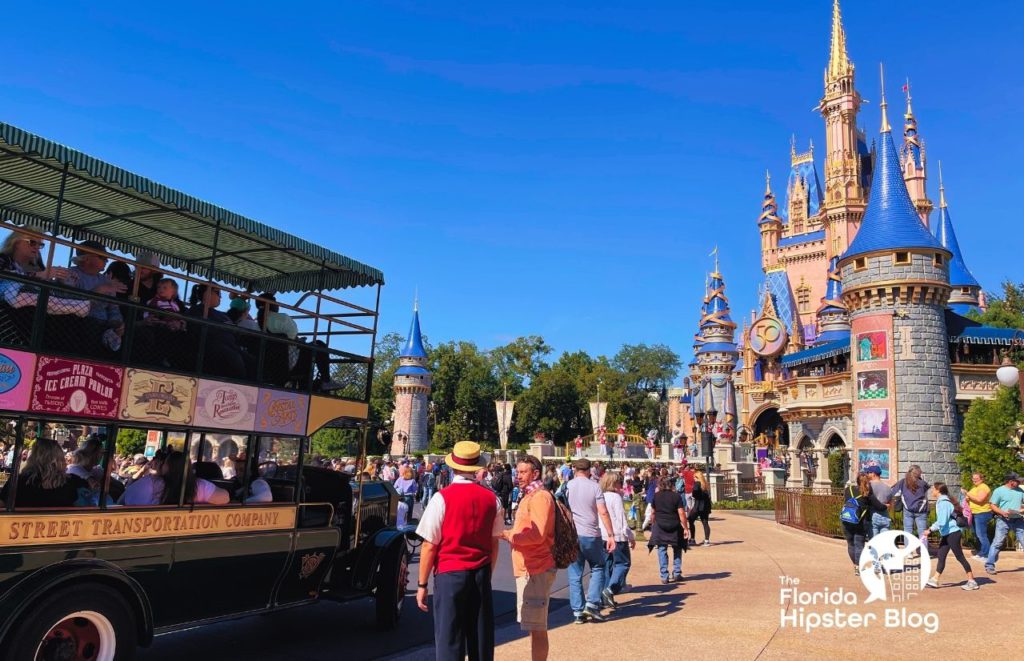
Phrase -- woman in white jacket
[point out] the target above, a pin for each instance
(619, 560)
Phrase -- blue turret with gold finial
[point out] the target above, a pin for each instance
(966, 289)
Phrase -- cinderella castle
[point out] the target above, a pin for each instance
(860, 344)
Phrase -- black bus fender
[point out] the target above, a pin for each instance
(380, 545)
(16, 601)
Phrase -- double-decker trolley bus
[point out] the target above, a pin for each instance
(131, 312)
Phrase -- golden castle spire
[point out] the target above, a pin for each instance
(767, 183)
(839, 64)
(883, 105)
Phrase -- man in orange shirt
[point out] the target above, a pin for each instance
(532, 537)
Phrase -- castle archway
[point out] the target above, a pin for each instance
(770, 423)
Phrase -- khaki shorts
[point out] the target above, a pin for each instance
(532, 598)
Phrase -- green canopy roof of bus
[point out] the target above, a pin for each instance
(130, 213)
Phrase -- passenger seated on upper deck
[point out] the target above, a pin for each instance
(166, 299)
(223, 356)
(177, 471)
(43, 481)
(299, 359)
(87, 274)
(20, 254)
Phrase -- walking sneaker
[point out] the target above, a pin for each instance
(593, 614)
(970, 585)
(932, 582)
(580, 619)
(664, 581)
(707, 542)
(678, 578)
(989, 569)
(609, 598)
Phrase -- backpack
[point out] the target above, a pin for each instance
(852, 512)
(567, 541)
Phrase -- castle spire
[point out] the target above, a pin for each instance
(890, 221)
(414, 342)
(965, 286)
(886, 128)
(839, 64)
(912, 156)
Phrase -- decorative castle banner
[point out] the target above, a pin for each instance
(76, 387)
(504, 409)
(874, 408)
(597, 411)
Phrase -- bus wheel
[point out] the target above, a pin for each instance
(85, 622)
(390, 593)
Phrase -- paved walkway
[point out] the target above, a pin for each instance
(729, 608)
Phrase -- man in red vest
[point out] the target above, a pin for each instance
(460, 528)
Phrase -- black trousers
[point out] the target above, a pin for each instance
(692, 518)
(951, 542)
(856, 535)
(464, 615)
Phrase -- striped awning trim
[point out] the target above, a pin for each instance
(815, 354)
(130, 213)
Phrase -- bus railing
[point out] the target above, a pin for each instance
(54, 318)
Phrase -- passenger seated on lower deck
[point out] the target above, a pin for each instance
(147, 489)
(259, 489)
(43, 481)
(178, 473)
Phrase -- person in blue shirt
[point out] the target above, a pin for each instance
(945, 525)
(1007, 503)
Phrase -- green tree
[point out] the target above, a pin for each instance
(646, 371)
(988, 428)
(464, 390)
(330, 442)
(130, 441)
(520, 360)
(1006, 311)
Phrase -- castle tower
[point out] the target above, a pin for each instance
(717, 355)
(966, 290)
(833, 317)
(770, 226)
(845, 155)
(412, 390)
(895, 279)
(914, 162)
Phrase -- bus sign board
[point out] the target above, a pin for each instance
(76, 387)
(280, 412)
(158, 397)
(225, 406)
(16, 370)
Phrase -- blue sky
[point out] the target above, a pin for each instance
(560, 170)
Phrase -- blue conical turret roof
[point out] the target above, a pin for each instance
(414, 344)
(832, 301)
(890, 220)
(959, 274)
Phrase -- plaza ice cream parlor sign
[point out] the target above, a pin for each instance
(76, 387)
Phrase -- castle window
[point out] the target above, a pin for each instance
(860, 264)
(965, 290)
(938, 259)
(902, 258)
(803, 297)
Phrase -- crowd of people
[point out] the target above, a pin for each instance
(870, 503)
(606, 506)
(166, 332)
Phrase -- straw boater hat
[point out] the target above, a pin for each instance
(465, 457)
